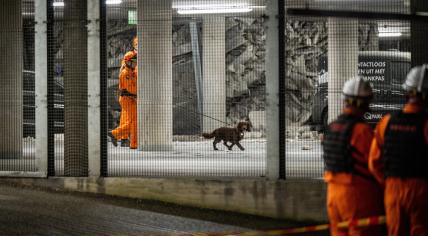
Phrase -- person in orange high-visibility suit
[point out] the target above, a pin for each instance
(124, 137)
(399, 159)
(134, 50)
(352, 192)
(128, 102)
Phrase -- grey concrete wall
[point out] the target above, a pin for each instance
(295, 200)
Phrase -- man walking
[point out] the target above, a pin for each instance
(128, 102)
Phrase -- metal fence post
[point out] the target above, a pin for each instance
(51, 86)
(103, 87)
(281, 87)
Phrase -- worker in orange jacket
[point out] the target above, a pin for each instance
(352, 191)
(134, 50)
(399, 159)
(124, 137)
(128, 102)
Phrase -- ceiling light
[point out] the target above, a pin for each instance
(213, 10)
(108, 2)
(421, 13)
(207, 6)
(58, 4)
(113, 2)
(389, 34)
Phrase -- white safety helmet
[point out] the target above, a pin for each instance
(357, 88)
(417, 79)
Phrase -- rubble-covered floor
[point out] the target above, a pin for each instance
(191, 158)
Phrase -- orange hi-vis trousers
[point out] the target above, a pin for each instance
(354, 201)
(123, 119)
(129, 124)
(406, 205)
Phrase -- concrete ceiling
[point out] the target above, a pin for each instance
(384, 6)
(121, 10)
(258, 6)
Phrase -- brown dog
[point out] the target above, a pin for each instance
(232, 135)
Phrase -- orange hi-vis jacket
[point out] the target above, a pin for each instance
(351, 196)
(361, 140)
(128, 80)
(122, 63)
(406, 199)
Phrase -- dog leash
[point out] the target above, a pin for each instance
(199, 113)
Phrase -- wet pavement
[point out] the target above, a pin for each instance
(29, 211)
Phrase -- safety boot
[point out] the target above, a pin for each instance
(124, 142)
(112, 138)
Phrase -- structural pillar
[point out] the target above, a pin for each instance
(94, 83)
(155, 75)
(342, 60)
(75, 88)
(41, 85)
(197, 67)
(272, 96)
(213, 72)
(11, 66)
(419, 34)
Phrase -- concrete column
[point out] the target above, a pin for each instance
(272, 84)
(342, 60)
(419, 34)
(11, 66)
(213, 72)
(155, 75)
(41, 85)
(197, 67)
(75, 88)
(94, 76)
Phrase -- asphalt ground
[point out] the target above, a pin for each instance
(36, 211)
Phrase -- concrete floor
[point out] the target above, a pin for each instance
(196, 158)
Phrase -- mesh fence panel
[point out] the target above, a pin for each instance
(67, 88)
(199, 72)
(56, 85)
(17, 147)
(324, 52)
(201, 66)
(28, 90)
